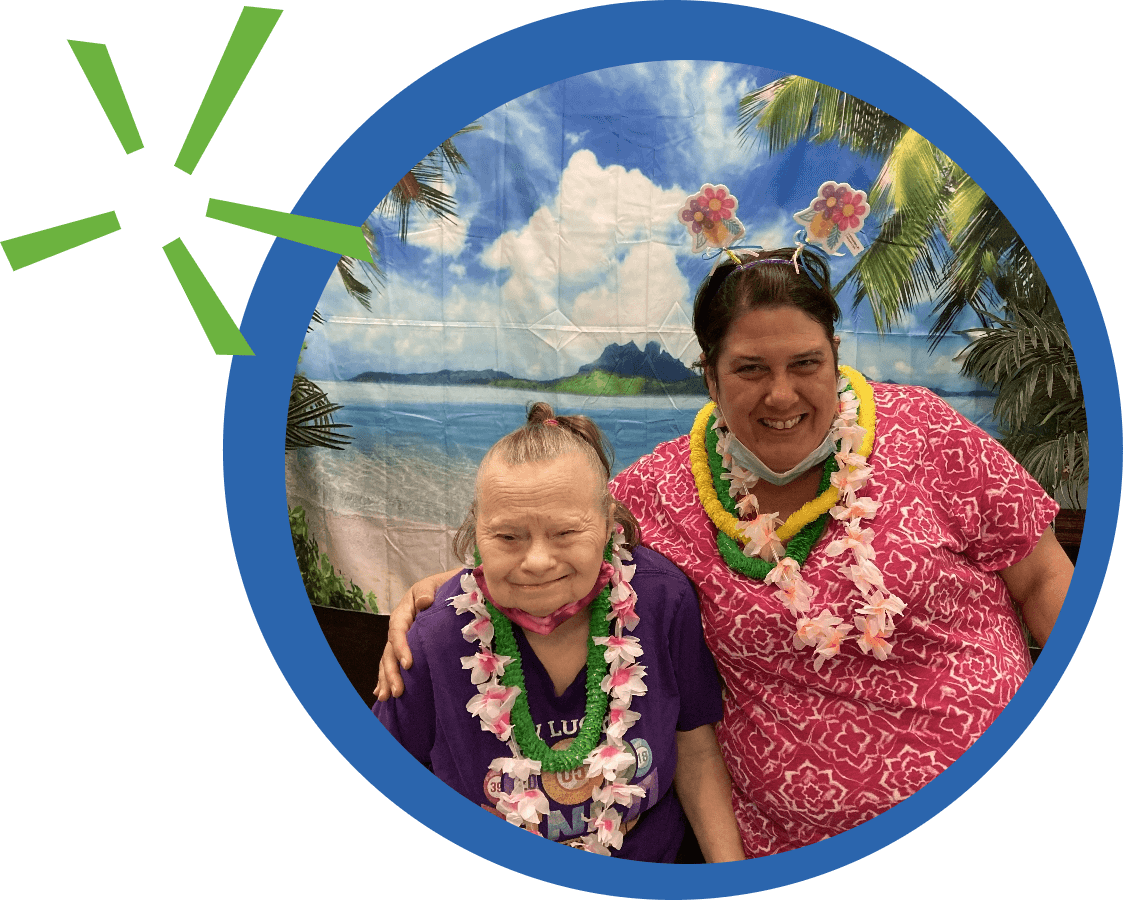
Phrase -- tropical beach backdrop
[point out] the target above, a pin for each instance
(538, 254)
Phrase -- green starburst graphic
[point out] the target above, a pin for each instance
(250, 34)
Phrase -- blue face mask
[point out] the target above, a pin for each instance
(746, 459)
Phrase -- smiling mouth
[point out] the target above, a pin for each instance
(783, 424)
(543, 584)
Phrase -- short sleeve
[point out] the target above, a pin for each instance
(696, 677)
(623, 486)
(659, 491)
(998, 509)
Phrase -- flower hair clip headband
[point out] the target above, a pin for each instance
(834, 217)
(742, 266)
(710, 217)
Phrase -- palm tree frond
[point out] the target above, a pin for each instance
(781, 111)
(360, 278)
(964, 207)
(420, 186)
(900, 269)
(793, 108)
(1058, 464)
(1040, 408)
(942, 237)
(912, 176)
(448, 152)
(348, 269)
(311, 421)
(990, 263)
(865, 129)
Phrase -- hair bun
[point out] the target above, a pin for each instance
(540, 414)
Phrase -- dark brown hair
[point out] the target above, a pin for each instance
(544, 437)
(765, 281)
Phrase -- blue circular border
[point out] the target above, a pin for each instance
(362, 172)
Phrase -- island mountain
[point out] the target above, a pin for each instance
(628, 361)
(620, 370)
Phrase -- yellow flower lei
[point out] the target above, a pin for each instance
(809, 512)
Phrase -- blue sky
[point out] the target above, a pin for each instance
(566, 237)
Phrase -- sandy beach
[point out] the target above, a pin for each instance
(379, 553)
(384, 520)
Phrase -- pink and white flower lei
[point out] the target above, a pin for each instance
(526, 806)
(874, 611)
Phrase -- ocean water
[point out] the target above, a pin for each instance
(415, 448)
(463, 422)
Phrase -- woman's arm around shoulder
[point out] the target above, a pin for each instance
(396, 655)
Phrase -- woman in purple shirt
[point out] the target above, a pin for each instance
(563, 684)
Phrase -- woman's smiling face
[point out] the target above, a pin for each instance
(541, 529)
(775, 380)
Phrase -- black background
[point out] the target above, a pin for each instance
(155, 691)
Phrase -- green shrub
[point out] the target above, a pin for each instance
(324, 586)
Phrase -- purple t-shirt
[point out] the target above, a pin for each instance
(683, 692)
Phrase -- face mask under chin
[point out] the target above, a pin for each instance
(746, 459)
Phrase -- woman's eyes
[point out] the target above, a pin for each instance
(511, 538)
(804, 365)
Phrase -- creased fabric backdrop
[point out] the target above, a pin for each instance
(565, 252)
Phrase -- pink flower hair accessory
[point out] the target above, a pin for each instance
(710, 217)
(834, 217)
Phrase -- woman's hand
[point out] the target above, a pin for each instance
(396, 653)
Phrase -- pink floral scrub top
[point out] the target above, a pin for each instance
(810, 753)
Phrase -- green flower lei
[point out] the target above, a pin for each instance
(596, 699)
(798, 548)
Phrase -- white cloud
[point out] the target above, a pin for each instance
(596, 262)
(909, 323)
(334, 296)
(436, 233)
(945, 364)
(444, 237)
(597, 211)
(778, 232)
(529, 123)
(717, 135)
(593, 263)
(705, 97)
(602, 258)
(647, 287)
(531, 255)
